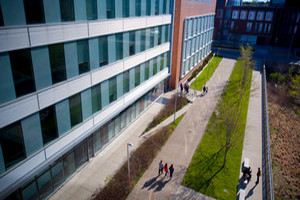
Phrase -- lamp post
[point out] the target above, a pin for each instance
(176, 100)
(128, 156)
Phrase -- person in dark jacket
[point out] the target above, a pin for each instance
(171, 169)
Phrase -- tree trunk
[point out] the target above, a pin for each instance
(224, 161)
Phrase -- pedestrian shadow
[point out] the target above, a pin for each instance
(149, 182)
(161, 184)
(250, 193)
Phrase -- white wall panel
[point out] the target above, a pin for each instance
(105, 27)
(154, 21)
(20, 171)
(134, 60)
(13, 38)
(106, 72)
(18, 110)
(166, 19)
(49, 34)
(68, 139)
(108, 111)
(60, 92)
(134, 23)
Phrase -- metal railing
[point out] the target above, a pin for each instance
(267, 162)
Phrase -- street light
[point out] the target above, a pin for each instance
(128, 145)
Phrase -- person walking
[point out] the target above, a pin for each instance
(181, 87)
(166, 169)
(171, 169)
(258, 174)
(160, 168)
(204, 89)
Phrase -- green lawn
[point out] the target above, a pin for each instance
(205, 173)
(203, 77)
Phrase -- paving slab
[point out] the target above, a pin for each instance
(181, 145)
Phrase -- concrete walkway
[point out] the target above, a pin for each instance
(253, 139)
(182, 144)
(86, 183)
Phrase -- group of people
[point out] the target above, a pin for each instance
(205, 89)
(247, 174)
(164, 168)
(186, 87)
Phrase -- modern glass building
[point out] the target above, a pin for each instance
(74, 74)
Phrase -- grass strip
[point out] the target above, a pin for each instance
(205, 173)
(204, 77)
(119, 186)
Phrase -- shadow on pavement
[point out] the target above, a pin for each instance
(161, 183)
(250, 193)
(149, 182)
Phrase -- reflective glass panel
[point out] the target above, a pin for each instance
(48, 124)
(110, 9)
(57, 171)
(137, 75)
(67, 10)
(57, 62)
(125, 5)
(131, 43)
(83, 56)
(103, 51)
(112, 89)
(69, 164)
(44, 184)
(96, 98)
(80, 154)
(91, 9)
(34, 11)
(126, 82)
(30, 191)
(119, 46)
(75, 109)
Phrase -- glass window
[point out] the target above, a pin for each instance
(125, 5)
(110, 9)
(44, 184)
(104, 134)
(164, 6)
(167, 33)
(30, 191)
(117, 124)
(112, 89)
(34, 10)
(157, 7)
(131, 43)
(75, 109)
(80, 154)
(12, 144)
(103, 51)
(1, 17)
(147, 70)
(111, 129)
(67, 10)
(143, 40)
(126, 82)
(138, 7)
(57, 172)
(133, 114)
(83, 56)
(152, 33)
(57, 62)
(119, 46)
(128, 116)
(96, 98)
(123, 119)
(137, 76)
(91, 9)
(154, 66)
(69, 164)
(148, 7)
(159, 34)
(21, 66)
(97, 141)
(48, 124)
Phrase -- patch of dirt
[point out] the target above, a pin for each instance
(285, 143)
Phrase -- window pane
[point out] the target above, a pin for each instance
(83, 56)
(48, 123)
(167, 33)
(123, 119)
(157, 7)
(128, 116)
(138, 7)
(57, 171)
(147, 70)
(80, 154)
(159, 34)
(75, 109)
(112, 89)
(69, 165)
(110, 9)
(104, 134)
(148, 7)
(30, 191)
(154, 66)
(132, 108)
(1, 17)
(11, 140)
(97, 141)
(131, 43)
(111, 129)
(103, 55)
(44, 184)
(91, 9)
(152, 32)
(117, 124)
(34, 10)
(125, 5)
(67, 10)
(21, 65)
(119, 46)
(57, 61)
(96, 98)
(137, 76)
(143, 39)
(126, 82)
(164, 6)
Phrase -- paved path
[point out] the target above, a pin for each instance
(182, 144)
(253, 138)
(92, 176)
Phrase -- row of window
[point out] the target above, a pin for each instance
(196, 43)
(50, 179)
(197, 25)
(191, 62)
(259, 27)
(252, 15)
(29, 70)
(21, 12)
(22, 138)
